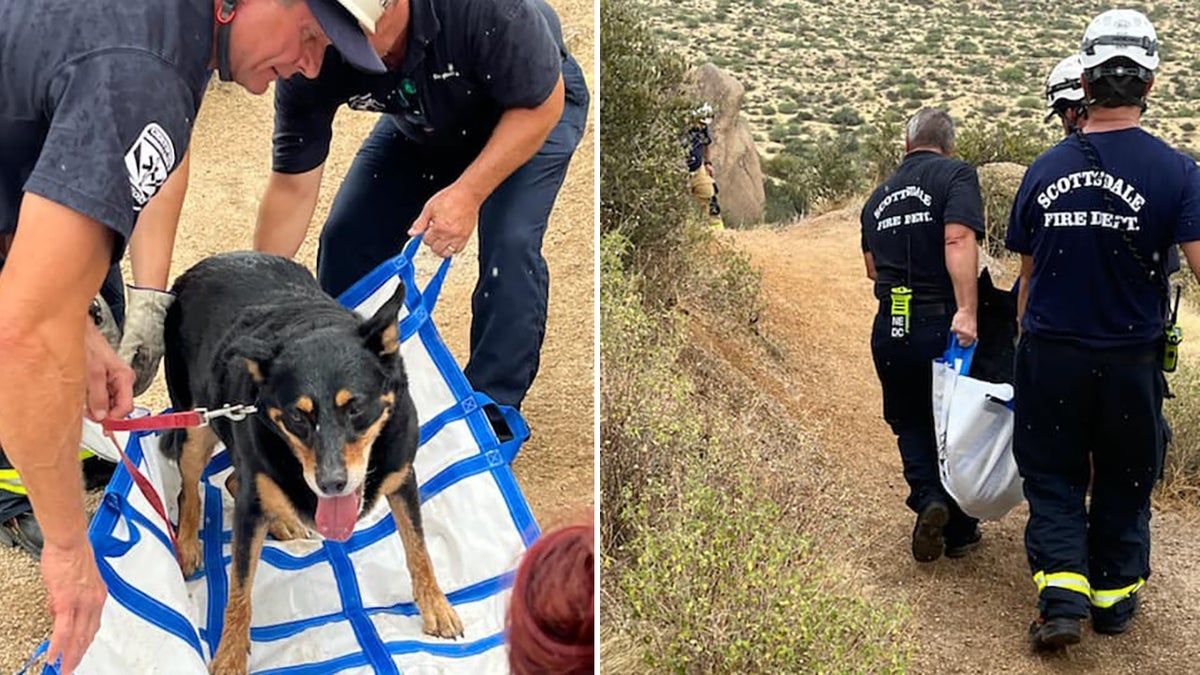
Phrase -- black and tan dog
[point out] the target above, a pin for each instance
(335, 430)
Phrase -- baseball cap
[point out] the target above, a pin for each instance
(347, 36)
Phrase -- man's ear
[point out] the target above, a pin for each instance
(381, 332)
(257, 356)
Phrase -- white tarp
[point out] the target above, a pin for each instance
(973, 424)
(321, 607)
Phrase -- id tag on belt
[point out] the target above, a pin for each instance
(901, 311)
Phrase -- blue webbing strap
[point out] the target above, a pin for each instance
(364, 629)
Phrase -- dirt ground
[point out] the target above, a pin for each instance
(969, 615)
(230, 164)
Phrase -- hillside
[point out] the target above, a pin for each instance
(811, 66)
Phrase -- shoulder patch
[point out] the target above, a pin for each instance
(149, 161)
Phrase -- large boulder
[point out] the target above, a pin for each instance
(733, 153)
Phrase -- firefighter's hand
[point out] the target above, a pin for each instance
(76, 598)
(964, 328)
(142, 345)
(109, 379)
(448, 220)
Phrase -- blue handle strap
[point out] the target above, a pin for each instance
(956, 353)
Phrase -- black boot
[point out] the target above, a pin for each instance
(1055, 633)
(957, 547)
(927, 536)
(23, 531)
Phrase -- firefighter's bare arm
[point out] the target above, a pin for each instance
(43, 318)
(286, 211)
(962, 262)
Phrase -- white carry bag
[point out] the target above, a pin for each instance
(322, 607)
(973, 423)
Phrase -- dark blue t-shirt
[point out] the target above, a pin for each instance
(1087, 286)
(97, 102)
(466, 62)
(904, 223)
(698, 138)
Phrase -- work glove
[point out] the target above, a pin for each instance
(142, 345)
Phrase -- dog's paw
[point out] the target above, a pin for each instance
(439, 617)
(189, 555)
(286, 530)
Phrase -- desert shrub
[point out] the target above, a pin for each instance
(998, 141)
(883, 148)
(846, 116)
(1012, 74)
(998, 185)
(804, 175)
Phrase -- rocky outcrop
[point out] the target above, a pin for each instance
(734, 156)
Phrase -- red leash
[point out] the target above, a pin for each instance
(200, 417)
(195, 418)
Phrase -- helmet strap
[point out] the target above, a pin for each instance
(224, 23)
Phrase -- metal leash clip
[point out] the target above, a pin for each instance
(235, 412)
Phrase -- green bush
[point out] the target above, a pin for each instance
(846, 117)
(802, 176)
(998, 185)
(1012, 74)
(998, 141)
(883, 149)
(644, 184)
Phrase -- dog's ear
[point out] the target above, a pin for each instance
(256, 354)
(381, 332)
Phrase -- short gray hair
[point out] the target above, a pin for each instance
(931, 127)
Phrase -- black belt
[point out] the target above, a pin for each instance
(921, 309)
(1130, 355)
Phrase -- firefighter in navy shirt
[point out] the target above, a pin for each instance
(483, 109)
(919, 233)
(1093, 220)
(97, 103)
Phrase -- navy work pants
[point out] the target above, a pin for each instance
(384, 191)
(1074, 404)
(905, 370)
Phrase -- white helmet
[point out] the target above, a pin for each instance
(1063, 82)
(704, 113)
(1120, 33)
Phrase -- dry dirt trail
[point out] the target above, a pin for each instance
(230, 164)
(969, 615)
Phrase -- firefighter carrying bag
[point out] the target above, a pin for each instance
(973, 424)
(322, 607)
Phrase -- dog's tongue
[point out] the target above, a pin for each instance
(336, 516)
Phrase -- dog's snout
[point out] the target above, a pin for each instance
(332, 482)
